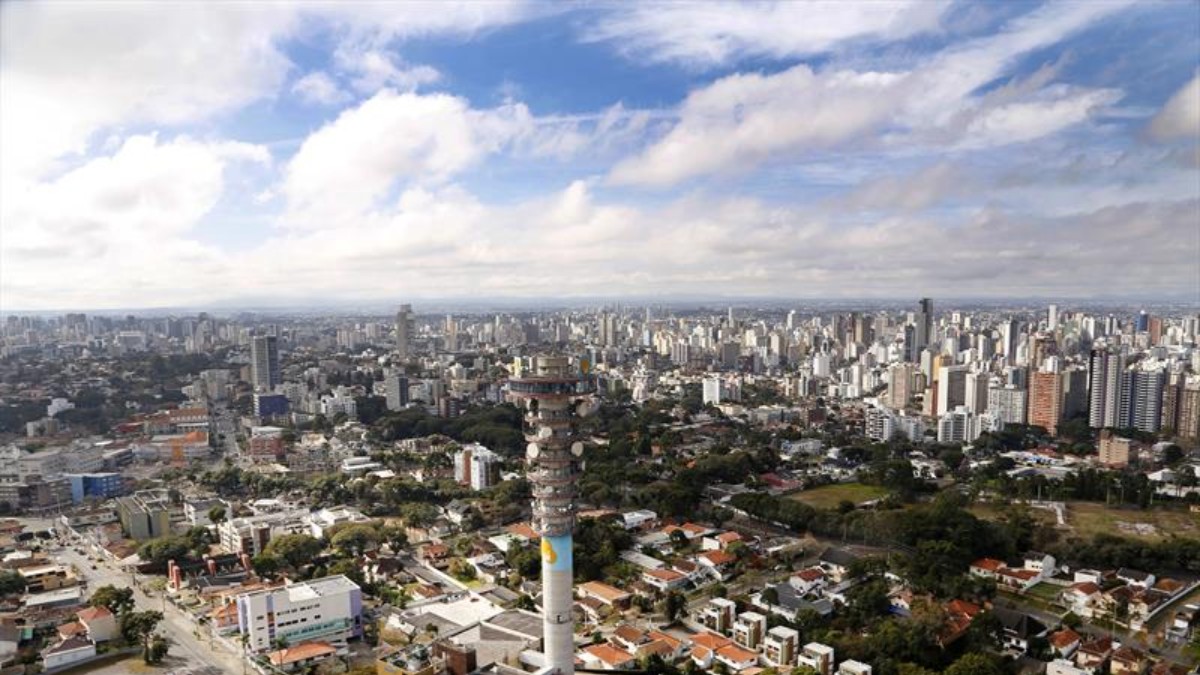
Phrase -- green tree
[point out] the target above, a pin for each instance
(355, 539)
(11, 583)
(138, 627)
(217, 514)
(673, 605)
(116, 600)
(294, 550)
(976, 664)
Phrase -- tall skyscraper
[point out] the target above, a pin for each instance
(404, 331)
(552, 396)
(1009, 335)
(952, 388)
(1052, 318)
(1104, 388)
(1141, 399)
(264, 363)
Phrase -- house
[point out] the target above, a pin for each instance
(1018, 579)
(670, 648)
(1080, 597)
(10, 642)
(705, 646)
(959, 616)
(736, 658)
(1127, 661)
(987, 567)
(1094, 653)
(1019, 628)
(1094, 576)
(1044, 564)
(605, 594)
(719, 542)
(817, 656)
(1135, 577)
(66, 652)
(837, 562)
(1065, 667)
(99, 622)
(607, 657)
(437, 555)
(665, 579)
(640, 519)
(629, 637)
(301, 656)
(1064, 642)
(718, 564)
(808, 580)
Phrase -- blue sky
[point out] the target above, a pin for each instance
(177, 154)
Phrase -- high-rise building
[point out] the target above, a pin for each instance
(1007, 404)
(1104, 388)
(975, 395)
(951, 388)
(1141, 399)
(476, 466)
(264, 363)
(552, 396)
(405, 329)
(1052, 318)
(1009, 336)
(396, 386)
(1045, 400)
(900, 385)
(1188, 416)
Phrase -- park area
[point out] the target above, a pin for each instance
(1088, 518)
(830, 496)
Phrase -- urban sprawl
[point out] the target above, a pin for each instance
(896, 490)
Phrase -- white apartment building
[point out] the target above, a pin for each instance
(323, 609)
(476, 466)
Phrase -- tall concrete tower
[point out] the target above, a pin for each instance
(404, 331)
(554, 395)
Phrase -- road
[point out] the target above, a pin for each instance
(194, 654)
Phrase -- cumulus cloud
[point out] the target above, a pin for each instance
(714, 33)
(120, 224)
(742, 120)
(1180, 116)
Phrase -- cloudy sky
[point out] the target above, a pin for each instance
(176, 154)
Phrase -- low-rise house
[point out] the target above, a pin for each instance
(1094, 653)
(99, 622)
(1080, 597)
(986, 567)
(736, 658)
(607, 657)
(665, 579)
(1018, 579)
(1064, 642)
(808, 580)
(1135, 577)
(302, 656)
(852, 667)
(68, 651)
(1126, 660)
(718, 564)
(629, 637)
(1065, 667)
(606, 594)
(719, 542)
(837, 562)
(1042, 563)
(1019, 628)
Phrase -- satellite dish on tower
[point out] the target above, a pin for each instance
(532, 451)
(577, 449)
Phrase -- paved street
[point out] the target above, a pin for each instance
(190, 653)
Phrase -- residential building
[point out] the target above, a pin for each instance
(146, 514)
(819, 657)
(265, 374)
(1115, 451)
(476, 466)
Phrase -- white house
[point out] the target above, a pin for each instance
(72, 650)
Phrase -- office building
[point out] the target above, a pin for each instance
(328, 609)
(264, 363)
(95, 485)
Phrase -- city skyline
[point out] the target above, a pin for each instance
(326, 155)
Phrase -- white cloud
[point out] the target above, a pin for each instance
(319, 88)
(745, 119)
(1180, 116)
(372, 70)
(713, 33)
(119, 225)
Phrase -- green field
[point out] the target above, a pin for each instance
(829, 496)
(1088, 518)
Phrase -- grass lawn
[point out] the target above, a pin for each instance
(829, 496)
(1090, 518)
(1046, 592)
(993, 512)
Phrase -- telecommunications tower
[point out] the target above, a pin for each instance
(554, 395)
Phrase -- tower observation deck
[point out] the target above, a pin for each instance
(554, 395)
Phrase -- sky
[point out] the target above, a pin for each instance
(199, 154)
